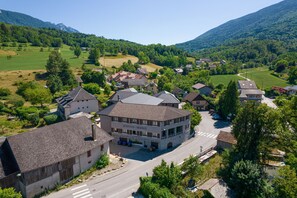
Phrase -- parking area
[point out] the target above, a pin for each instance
(208, 124)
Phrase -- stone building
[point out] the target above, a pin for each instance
(36, 161)
(160, 127)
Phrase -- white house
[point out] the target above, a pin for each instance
(77, 100)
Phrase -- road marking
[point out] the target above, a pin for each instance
(87, 196)
(208, 135)
(84, 193)
(80, 191)
(78, 187)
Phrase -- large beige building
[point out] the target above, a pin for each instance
(160, 127)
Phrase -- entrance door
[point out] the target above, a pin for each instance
(155, 145)
(169, 145)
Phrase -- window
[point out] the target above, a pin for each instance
(102, 147)
(87, 107)
(149, 122)
(134, 132)
(115, 119)
(188, 117)
(144, 122)
(78, 108)
(149, 134)
(171, 132)
(89, 153)
(82, 107)
(176, 120)
(155, 123)
(163, 133)
(139, 133)
(124, 119)
(179, 129)
(134, 121)
(129, 132)
(82, 100)
(182, 119)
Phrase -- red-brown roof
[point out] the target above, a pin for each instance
(226, 137)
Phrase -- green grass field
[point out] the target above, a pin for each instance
(263, 78)
(34, 59)
(224, 79)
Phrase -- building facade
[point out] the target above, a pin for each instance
(77, 100)
(158, 127)
(248, 91)
(197, 101)
(52, 155)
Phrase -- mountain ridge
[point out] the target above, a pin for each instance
(17, 18)
(275, 22)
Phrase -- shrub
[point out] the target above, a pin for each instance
(102, 162)
(92, 88)
(150, 189)
(51, 119)
(33, 118)
(4, 92)
(24, 112)
(9, 193)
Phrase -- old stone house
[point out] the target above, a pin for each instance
(35, 161)
(197, 101)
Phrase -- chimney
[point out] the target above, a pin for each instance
(94, 134)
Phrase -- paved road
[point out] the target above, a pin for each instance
(125, 181)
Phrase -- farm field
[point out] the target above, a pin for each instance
(263, 78)
(224, 79)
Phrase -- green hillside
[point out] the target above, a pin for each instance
(276, 22)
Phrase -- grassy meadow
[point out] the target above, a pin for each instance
(263, 77)
(224, 79)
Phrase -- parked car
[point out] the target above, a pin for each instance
(216, 116)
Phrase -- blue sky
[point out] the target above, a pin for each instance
(142, 21)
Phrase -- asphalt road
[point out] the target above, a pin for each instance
(125, 181)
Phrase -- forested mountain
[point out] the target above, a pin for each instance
(276, 22)
(16, 18)
(159, 54)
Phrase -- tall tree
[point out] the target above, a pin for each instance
(254, 127)
(247, 179)
(229, 102)
(286, 183)
(94, 56)
(54, 62)
(77, 51)
(54, 83)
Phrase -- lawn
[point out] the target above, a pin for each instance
(263, 78)
(224, 79)
(32, 58)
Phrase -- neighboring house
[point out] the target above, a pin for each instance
(151, 87)
(41, 159)
(144, 99)
(178, 70)
(77, 100)
(122, 94)
(203, 89)
(178, 92)
(158, 127)
(134, 83)
(122, 75)
(212, 66)
(249, 91)
(197, 101)
(142, 71)
(168, 99)
(225, 140)
(291, 89)
(217, 188)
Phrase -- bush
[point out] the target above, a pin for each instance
(4, 92)
(24, 112)
(9, 193)
(33, 118)
(102, 162)
(92, 88)
(153, 190)
(51, 119)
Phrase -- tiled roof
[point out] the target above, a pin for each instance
(198, 86)
(141, 98)
(76, 94)
(192, 96)
(145, 112)
(167, 97)
(55, 143)
(122, 94)
(226, 137)
(245, 84)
